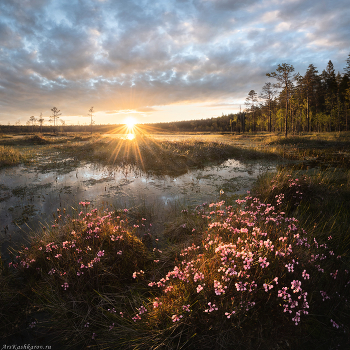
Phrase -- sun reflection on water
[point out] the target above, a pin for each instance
(130, 136)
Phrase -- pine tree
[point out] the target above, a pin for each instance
(268, 93)
(251, 101)
(55, 115)
(330, 84)
(347, 68)
(284, 78)
(308, 86)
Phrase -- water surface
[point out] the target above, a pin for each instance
(29, 196)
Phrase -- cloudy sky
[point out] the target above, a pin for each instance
(157, 60)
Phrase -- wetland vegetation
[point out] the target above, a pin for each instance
(268, 269)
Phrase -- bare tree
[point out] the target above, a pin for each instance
(32, 120)
(91, 113)
(55, 115)
(41, 122)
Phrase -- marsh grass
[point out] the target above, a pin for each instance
(65, 152)
(160, 157)
(10, 156)
(252, 277)
(270, 271)
(321, 202)
(330, 149)
(28, 149)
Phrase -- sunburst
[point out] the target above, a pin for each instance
(130, 123)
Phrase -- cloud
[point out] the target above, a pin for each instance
(135, 55)
(147, 109)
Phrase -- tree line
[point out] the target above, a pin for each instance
(295, 103)
(35, 122)
(288, 103)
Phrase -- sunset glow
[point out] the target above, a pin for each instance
(159, 61)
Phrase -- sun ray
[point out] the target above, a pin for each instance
(129, 141)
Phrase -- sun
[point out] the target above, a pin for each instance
(130, 123)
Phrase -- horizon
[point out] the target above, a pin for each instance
(157, 61)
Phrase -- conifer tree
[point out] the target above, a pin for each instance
(308, 86)
(268, 93)
(284, 78)
(55, 115)
(251, 100)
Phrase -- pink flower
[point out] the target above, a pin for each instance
(296, 285)
(176, 318)
(186, 308)
(199, 288)
(263, 262)
(334, 275)
(334, 324)
(136, 318)
(142, 310)
(305, 275)
(267, 287)
(228, 314)
(212, 307)
(157, 303)
(324, 295)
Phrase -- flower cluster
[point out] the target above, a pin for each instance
(245, 253)
(80, 248)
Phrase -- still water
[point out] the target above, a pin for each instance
(29, 196)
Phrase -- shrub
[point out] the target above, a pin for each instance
(255, 275)
(93, 251)
(255, 279)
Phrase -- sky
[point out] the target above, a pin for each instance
(157, 60)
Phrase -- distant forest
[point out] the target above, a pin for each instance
(288, 102)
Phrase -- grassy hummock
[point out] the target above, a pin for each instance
(10, 156)
(254, 278)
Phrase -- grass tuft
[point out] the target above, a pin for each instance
(10, 156)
